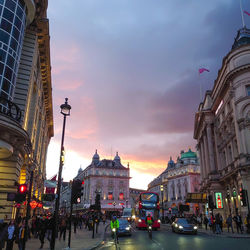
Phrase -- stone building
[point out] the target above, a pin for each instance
(222, 129)
(110, 179)
(178, 179)
(26, 117)
(134, 196)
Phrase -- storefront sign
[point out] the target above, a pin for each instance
(218, 198)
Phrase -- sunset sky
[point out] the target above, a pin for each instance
(130, 71)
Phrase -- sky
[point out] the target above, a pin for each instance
(130, 71)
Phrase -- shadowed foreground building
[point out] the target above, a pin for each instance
(222, 130)
(26, 118)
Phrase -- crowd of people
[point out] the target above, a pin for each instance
(41, 226)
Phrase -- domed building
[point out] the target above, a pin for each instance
(222, 131)
(110, 179)
(178, 179)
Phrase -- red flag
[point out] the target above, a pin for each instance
(246, 12)
(53, 178)
(201, 70)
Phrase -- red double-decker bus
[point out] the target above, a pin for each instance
(148, 203)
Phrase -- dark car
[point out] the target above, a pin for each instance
(183, 225)
(124, 227)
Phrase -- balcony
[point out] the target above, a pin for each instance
(12, 135)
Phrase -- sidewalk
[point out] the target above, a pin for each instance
(81, 240)
(225, 234)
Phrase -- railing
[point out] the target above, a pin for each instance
(10, 109)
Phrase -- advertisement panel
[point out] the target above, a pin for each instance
(218, 199)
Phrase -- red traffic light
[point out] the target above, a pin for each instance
(22, 188)
(83, 182)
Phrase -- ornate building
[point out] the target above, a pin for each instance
(177, 180)
(110, 179)
(222, 129)
(26, 117)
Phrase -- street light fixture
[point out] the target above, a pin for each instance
(162, 211)
(65, 111)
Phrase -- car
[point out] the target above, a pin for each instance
(184, 225)
(124, 227)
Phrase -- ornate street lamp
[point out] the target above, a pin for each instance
(65, 111)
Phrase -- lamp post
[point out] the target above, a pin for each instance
(65, 111)
(162, 211)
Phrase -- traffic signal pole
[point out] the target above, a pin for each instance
(27, 211)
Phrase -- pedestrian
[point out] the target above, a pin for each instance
(75, 222)
(238, 222)
(221, 222)
(248, 223)
(217, 223)
(42, 229)
(11, 235)
(3, 234)
(229, 222)
(63, 227)
(20, 235)
(104, 219)
(50, 225)
(205, 221)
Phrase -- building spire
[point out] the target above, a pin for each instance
(242, 15)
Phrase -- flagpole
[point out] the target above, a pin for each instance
(200, 87)
(242, 15)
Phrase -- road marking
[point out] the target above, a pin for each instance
(158, 244)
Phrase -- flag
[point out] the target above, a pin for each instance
(50, 185)
(201, 70)
(247, 13)
(53, 178)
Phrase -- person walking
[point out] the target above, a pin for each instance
(217, 223)
(3, 234)
(42, 229)
(229, 222)
(63, 227)
(248, 223)
(20, 235)
(11, 235)
(238, 221)
(205, 221)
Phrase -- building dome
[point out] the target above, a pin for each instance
(80, 170)
(188, 154)
(117, 158)
(96, 157)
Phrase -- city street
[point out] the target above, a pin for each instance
(165, 239)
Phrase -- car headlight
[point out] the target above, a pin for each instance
(113, 230)
(127, 228)
(195, 227)
(133, 216)
(139, 220)
(159, 221)
(176, 225)
(180, 227)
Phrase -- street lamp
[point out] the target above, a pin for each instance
(162, 203)
(65, 111)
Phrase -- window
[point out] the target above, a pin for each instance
(121, 196)
(110, 196)
(248, 90)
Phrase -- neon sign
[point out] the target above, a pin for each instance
(218, 198)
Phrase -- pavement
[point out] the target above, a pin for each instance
(202, 230)
(81, 240)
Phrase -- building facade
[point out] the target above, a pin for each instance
(178, 179)
(26, 115)
(134, 196)
(222, 130)
(110, 179)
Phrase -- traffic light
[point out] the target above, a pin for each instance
(210, 202)
(243, 197)
(21, 193)
(76, 191)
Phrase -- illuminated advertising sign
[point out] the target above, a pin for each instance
(218, 198)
